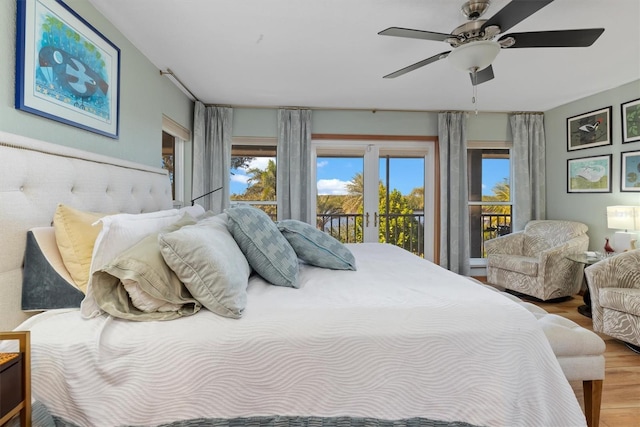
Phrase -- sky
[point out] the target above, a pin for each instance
(333, 174)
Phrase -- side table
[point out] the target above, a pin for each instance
(582, 258)
(15, 380)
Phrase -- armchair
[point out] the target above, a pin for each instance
(614, 287)
(533, 261)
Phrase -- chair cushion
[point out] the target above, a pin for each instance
(520, 264)
(626, 300)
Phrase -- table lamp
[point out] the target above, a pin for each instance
(623, 218)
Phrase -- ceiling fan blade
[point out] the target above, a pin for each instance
(562, 38)
(414, 34)
(417, 65)
(482, 76)
(514, 12)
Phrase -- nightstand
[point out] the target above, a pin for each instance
(15, 380)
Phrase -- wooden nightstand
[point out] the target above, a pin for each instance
(15, 380)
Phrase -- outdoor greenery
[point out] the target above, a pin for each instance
(343, 217)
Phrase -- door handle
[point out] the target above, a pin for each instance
(375, 219)
(366, 219)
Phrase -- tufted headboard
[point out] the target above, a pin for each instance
(35, 176)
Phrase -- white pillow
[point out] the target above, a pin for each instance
(120, 232)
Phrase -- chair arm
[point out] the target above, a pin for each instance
(508, 244)
(619, 271)
(558, 254)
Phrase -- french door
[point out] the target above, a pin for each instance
(377, 191)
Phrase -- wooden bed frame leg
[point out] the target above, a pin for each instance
(592, 399)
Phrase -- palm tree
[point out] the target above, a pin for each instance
(262, 186)
(262, 183)
(326, 207)
(355, 190)
(501, 193)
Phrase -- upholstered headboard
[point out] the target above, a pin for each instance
(35, 176)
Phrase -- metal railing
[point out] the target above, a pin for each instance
(403, 230)
(494, 225)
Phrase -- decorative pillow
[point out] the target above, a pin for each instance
(75, 235)
(120, 232)
(138, 284)
(46, 283)
(316, 247)
(209, 262)
(266, 249)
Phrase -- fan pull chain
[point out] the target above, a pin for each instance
(474, 81)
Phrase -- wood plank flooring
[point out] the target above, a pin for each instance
(621, 387)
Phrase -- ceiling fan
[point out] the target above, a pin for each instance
(474, 47)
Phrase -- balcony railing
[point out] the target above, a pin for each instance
(494, 225)
(403, 230)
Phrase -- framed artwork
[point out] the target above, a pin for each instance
(65, 69)
(589, 174)
(587, 130)
(630, 171)
(631, 121)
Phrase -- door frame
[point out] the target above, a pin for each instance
(372, 145)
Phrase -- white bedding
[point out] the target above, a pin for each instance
(399, 338)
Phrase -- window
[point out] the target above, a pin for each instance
(490, 202)
(253, 173)
(173, 141)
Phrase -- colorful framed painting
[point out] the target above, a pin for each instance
(630, 171)
(65, 69)
(589, 174)
(587, 130)
(631, 121)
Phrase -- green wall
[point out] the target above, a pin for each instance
(589, 208)
(144, 97)
(262, 122)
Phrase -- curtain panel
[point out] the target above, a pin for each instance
(454, 205)
(293, 182)
(212, 132)
(529, 200)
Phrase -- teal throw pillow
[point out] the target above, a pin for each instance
(268, 252)
(316, 247)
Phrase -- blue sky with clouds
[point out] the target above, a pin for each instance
(333, 174)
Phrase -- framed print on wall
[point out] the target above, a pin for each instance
(587, 130)
(630, 171)
(630, 121)
(589, 174)
(65, 69)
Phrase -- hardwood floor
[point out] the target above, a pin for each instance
(621, 387)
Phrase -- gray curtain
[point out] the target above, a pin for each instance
(529, 168)
(293, 186)
(454, 207)
(211, 155)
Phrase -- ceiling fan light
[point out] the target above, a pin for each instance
(476, 55)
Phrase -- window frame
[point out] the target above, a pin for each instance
(505, 145)
(180, 136)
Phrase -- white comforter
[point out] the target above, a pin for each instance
(399, 338)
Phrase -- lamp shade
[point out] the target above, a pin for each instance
(622, 217)
(474, 55)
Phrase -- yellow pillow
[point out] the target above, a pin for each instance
(75, 236)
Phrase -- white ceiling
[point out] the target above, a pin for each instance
(327, 53)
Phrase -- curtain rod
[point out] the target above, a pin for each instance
(373, 110)
(184, 88)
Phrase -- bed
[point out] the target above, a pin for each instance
(397, 341)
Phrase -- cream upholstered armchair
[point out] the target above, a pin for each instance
(614, 288)
(534, 261)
